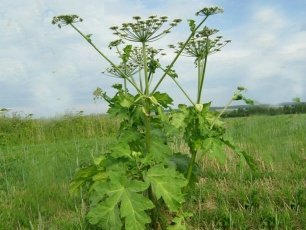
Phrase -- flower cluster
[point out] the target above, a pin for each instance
(126, 70)
(207, 11)
(115, 43)
(64, 20)
(201, 45)
(144, 30)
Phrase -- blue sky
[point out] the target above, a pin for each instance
(47, 71)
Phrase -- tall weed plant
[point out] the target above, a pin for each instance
(140, 182)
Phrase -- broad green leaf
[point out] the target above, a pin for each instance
(125, 195)
(133, 206)
(106, 214)
(82, 176)
(159, 149)
(120, 149)
(167, 184)
(163, 99)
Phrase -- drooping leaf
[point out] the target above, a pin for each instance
(167, 184)
(82, 176)
(213, 147)
(248, 159)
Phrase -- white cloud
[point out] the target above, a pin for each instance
(40, 63)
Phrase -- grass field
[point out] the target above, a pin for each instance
(39, 157)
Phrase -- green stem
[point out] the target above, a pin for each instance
(190, 165)
(199, 80)
(147, 102)
(154, 212)
(125, 86)
(180, 87)
(140, 80)
(107, 59)
(145, 68)
(203, 75)
(183, 91)
(178, 55)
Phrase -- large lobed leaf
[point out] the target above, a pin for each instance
(167, 184)
(121, 198)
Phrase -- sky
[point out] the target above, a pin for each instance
(47, 71)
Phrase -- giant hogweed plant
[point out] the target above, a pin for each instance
(140, 182)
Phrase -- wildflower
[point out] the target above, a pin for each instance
(144, 30)
(63, 20)
(207, 11)
(202, 44)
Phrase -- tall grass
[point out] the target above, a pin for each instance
(273, 197)
(16, 130)
(39, 157)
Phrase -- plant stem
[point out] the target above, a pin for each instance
(190, 165)
(183, 91)
(107, 59)
(154, 215)
(125, 86)
(178, 54)
(145, 68)
(203, 74)
(147, 102)
(199, 80)
(140, 81)
(180, 87)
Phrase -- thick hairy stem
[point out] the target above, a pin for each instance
(147, 102)
(203, 75)
(154, 214)
(145, 68)
(190, 165)
(140, 80)
(199, 80)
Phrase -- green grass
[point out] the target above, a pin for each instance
(39, 157)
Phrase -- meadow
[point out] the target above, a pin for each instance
(38, 158)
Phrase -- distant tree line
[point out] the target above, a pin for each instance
(286, 108)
